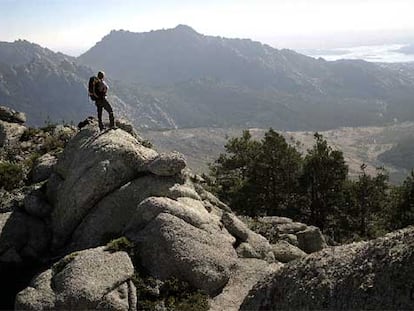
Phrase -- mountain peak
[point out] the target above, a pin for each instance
(184, 28)
(22, 52)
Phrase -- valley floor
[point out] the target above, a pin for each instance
(360, 145)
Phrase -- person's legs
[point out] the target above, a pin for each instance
(99, 108)
(108, 108)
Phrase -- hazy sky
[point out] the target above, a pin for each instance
(72, 26)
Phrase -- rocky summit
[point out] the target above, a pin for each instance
(106, 222)
(111, 184)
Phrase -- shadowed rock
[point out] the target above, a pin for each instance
(10, 133)
(35, 204)
(87, 280)
(311, 240)
(374, 275)
(247, 272)
(9, 115)
(22, 235)
(184, 241)
(113, 213)
(285, 252)
(43, 167)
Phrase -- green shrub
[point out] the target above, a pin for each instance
(121, 244)
(146, 143)
(179, 295)
(268, 230)
(173, 294)
(49, 126)
(29, 133)
(50, 140)
(31, 160)
(196, 301)
(11, 175)
(52, 143)
(108, 237)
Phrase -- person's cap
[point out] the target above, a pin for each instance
(101, 74)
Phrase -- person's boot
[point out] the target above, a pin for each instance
(101, 126)
(112, 121)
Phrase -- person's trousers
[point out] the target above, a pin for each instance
(104, 104)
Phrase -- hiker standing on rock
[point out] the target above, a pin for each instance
(97, 92)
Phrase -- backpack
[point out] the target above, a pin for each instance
(92, 88)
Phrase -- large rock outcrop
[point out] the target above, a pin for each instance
(10, 115)
(22, 235)
(87, 280)
(247, 272)
(108, 184)
(11, 126)
(112, 213)
(374, 275)
(92, 166)
(43, 168)
(289, 240)
(10, 133)
(181, 239)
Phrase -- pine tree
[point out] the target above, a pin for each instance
(370, 199)
(270, 177)
(322, 181)
(274, 176)
(402, 213)
(258, 177)
(231, 172)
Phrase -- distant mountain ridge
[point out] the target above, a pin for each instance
(212, 81)
(22, 52)
(44, 84)
(178, 78)
(181, 54)
(47, 86)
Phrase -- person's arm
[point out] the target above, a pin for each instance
(105, 87)
(102, 89)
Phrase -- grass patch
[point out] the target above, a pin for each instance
(11, 175)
